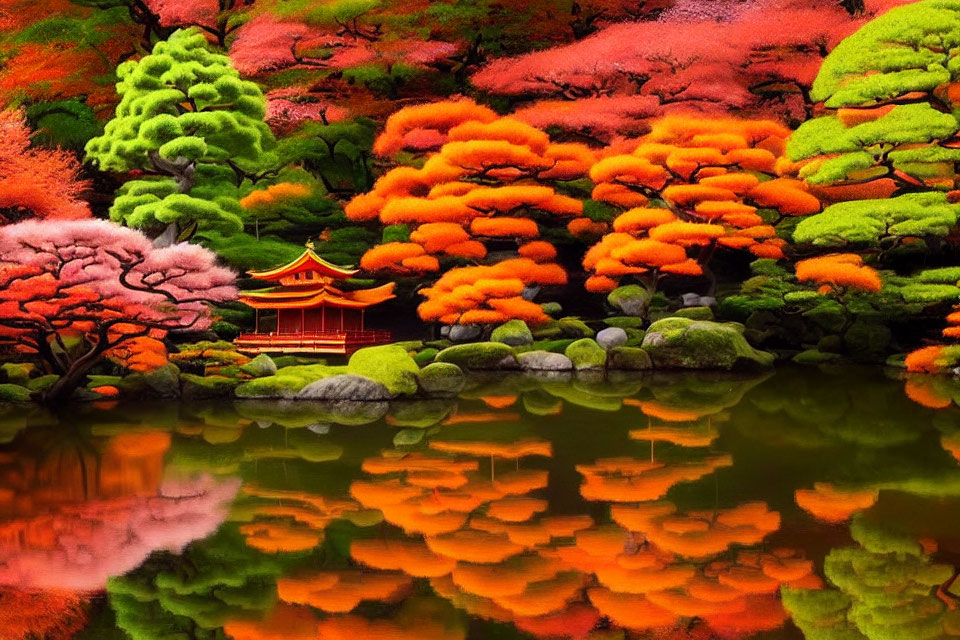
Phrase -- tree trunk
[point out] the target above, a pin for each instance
(61, 390)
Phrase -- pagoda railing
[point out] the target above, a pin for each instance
(311, 339)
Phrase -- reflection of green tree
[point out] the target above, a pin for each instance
(192, 594)
(885, 589)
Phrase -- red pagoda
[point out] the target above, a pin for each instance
(312, 315)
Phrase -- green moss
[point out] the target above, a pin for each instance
(14, 393)
(814, 356)
(425, 356)
(740, 307)
(944, 275)
(929, 293)
(867, 340)
(624, 322)
(514, 333)
(695, 313)
(698, 344)
(16, 372)
(193, 386)
(574, 328)
(42, 383)
(632, 300)
(441, 378)
(260, 366)
(629, 359)
(287, 381)
(586, 354)
(478, 355)
(390, 365)
(829, 314)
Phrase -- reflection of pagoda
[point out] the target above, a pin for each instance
(311, 315)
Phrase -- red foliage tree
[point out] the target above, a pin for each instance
(759, 56)
(71, 291)
(36, 182)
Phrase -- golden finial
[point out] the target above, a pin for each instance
(309, 244)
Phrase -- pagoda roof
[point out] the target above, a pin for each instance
(308, 261)
(320, 295)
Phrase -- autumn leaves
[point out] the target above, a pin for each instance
(478, 187)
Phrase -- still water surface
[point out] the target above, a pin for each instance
(811, 503)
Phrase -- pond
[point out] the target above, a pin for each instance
(809, 503)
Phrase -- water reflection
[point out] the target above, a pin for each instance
(819, 504)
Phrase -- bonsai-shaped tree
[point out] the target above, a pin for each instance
(193, 130)
(712, 183)
(889, 131)
(72, 291)
(491, 187)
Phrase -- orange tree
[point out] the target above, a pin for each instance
(692, 186)
(484, 194)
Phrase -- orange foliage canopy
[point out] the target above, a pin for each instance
(714, 174)
(485, 179)
(36, 182)
(489, 294)
(839, 270)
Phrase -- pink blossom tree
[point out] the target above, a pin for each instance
(72, 290)
(757, 57)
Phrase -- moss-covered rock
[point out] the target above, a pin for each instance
(866, 340)
(441, 378)
(815, 356)
(16, 372)
(695, 313)
(390, 365)
(515, 333)
(632, 300)
(262, 365)
(586, 354)
(287, 382)
(624, 322)
(574, 328)
(42, 383)
(288, 361)
(629, 359)
(552, 309)
(553, 346)
(346, 386)
(14, 393)
(426, 356)
(682, 343)
(163, 381)
(194, 386)
(828, 314)
(478, 355)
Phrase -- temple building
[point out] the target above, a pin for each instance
(306, 313)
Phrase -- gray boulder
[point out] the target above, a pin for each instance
(611, 337)
(464, 332)
(544, 361)
(346, 386)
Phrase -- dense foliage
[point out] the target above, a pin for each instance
(789, 165)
